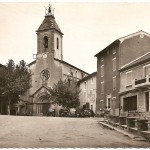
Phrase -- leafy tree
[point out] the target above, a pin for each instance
(14, 81)
(65, 94)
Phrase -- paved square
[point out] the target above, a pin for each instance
(24, 131)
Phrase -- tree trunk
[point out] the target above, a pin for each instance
(8, 106)
(18, 110)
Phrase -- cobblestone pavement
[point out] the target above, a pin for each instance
(17, 131)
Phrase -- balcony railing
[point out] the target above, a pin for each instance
(142, 82)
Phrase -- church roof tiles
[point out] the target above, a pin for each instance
(49, 23)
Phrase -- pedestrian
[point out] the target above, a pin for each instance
(92, 113)
(105, 110)
(108, 109)
(105, 113)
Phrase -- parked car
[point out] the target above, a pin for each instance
(63, 113)
(86, 113)
(72, 112)
(51, 112)
(78, 112)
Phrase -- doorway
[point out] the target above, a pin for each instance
(45, 108)
(147, 101)
(42, 105)
(108, 103)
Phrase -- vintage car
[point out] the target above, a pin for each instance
(63, 113)
(51, 112)
(72, 112)
(86, 113)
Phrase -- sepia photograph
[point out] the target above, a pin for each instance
(74, 74)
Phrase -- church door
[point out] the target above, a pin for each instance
(45, 108)
(42, 105)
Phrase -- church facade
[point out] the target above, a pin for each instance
(49, 67)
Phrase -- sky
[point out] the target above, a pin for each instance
(88, 28)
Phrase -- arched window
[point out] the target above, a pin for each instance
(57, 43)
(45, 41)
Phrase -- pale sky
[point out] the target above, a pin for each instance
(88, 28)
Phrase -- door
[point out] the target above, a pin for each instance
(45, 108)
(108, 103)
(147, 101)
(109, 107)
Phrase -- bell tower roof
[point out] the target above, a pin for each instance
(49, 21)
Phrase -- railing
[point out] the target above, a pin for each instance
(142, 82)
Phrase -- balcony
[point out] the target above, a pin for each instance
(141, 83)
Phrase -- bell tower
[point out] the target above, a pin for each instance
(49, 49)
(49, 36)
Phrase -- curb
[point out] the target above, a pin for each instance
(132, 136)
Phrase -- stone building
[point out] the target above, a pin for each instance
(135, 86)
(49, 66)
(111, 60)
(88, 91)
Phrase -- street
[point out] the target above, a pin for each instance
(50, 132)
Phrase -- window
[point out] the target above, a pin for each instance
(76, 74)
(146, 70)
(114, 64)
(114, 51)
(102, 70)
(92, 80)
(71, 72)
(84, 96)
(45, 41)
(91, 91)
(114, 83)
(57, 43)
(114, 98)
(129, 78)
(102, 58)
(108, 52)
(85, 85)
(102, 87)
(101, 104)
(108, 102)
(130, 103)
(82, 75)
(113, 102)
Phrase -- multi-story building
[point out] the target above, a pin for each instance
(88, 91)
(49, 66)
(110, 60)
(135, 86)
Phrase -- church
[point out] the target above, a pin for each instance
(48, 67)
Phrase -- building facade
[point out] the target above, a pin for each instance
(135, 87)
(88, 91)
(49, 66)
(107, 75)
(110, 60)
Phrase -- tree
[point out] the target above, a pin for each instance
(65, 94)
(14, 81)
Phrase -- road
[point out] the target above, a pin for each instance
(50, 132)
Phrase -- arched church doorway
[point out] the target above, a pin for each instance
(42, 105)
